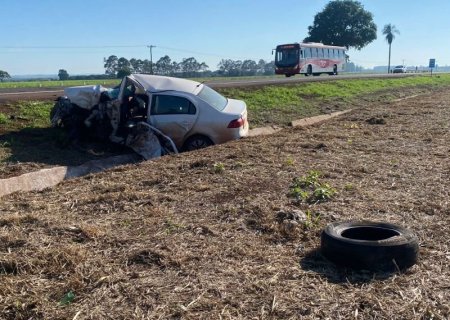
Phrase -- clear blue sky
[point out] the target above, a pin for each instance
(35, 35)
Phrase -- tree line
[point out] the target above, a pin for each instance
(188, 67)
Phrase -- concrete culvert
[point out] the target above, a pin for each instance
(375, 246)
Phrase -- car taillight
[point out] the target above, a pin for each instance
(237, 123)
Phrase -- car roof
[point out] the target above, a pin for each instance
(154, 83)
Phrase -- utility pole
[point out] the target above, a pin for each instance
(151, 57)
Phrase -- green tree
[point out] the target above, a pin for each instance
(124, 67)
(137, 65)
(63, 75)
(190, 66)
(111, 65)
(231, 68)
(164, 66)
(343, 23)
(389, 31)
(249, 68)
(4, 75)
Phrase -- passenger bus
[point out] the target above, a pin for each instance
(309, 59)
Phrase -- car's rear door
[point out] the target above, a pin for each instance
(174, 115)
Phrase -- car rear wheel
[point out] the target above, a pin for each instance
(197, 142)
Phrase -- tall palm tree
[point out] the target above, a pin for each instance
(389, 31)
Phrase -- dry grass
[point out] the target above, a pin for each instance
(199, 235)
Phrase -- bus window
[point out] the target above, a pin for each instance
(320, 53)
(301, 54)
(310, 54)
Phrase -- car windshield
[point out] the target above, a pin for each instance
(286, 57)
(213, 98)
(399, 67)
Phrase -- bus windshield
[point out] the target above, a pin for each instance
(286, 57)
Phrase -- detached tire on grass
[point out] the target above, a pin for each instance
(368, 245)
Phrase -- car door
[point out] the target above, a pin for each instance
(174, 115)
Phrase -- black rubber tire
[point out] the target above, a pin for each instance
(309, 70)
(288, 75)
(368, 245)
(335, 70)
(197, 142)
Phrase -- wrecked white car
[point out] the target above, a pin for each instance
(152, 115)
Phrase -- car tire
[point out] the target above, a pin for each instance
(374, 246)
(197, 142)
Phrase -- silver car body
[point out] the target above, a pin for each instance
(183, 109)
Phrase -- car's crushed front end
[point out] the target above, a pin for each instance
(94, 112)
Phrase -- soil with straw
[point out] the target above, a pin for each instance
(199, 235)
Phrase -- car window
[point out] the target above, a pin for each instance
(165, 104)
(213, 98)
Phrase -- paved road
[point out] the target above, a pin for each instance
(49, 93)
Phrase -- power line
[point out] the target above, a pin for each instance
(72, 47)
(127, 46)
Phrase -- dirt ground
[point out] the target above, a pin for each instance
(196, 236)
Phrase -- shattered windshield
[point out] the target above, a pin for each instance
(213, 98)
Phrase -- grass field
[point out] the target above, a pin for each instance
(55, 83)
(280, 104)
(26, 136)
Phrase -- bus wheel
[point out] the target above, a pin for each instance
(309, 72)
(335, 71)
(288, 75)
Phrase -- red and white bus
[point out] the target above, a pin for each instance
(309, 59)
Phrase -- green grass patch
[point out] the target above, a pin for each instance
(280, 105)
(3, 118)
(311, 189)
(56, 83)
(26, 114)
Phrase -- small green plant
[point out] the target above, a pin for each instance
(311, 189)
(67, 299)
(172, 226)
(349, 187)
(290, 161)
(218, 167)
(312, 219)
(3, 118)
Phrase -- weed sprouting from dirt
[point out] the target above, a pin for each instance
(218, 167)
(312, 219)
(172, 226)
(311, 189)
(67, 299)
